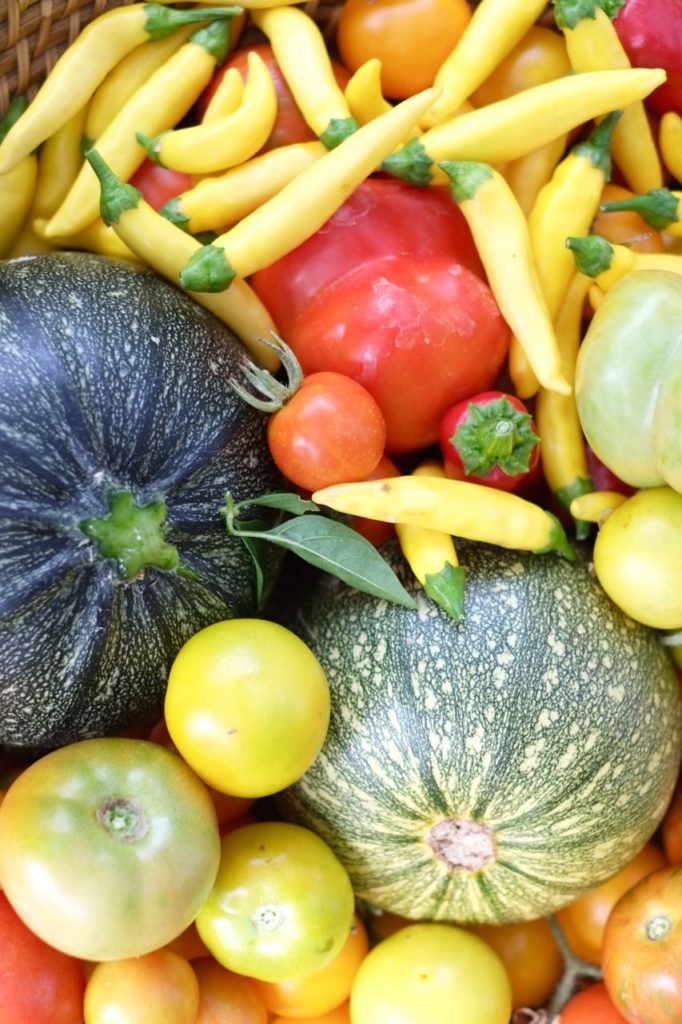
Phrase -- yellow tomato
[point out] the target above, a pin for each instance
(411, 38)
(247, 706)
(531, 956)
(159, 986)
(638, 557)
(324, 990)
(431, 972)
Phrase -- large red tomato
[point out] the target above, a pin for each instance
(642, 953)
(383, 217)
(290, 126)
(591, 1006)
(159, 184)
(418, 332)
(651, 32)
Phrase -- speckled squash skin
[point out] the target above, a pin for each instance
(492, 771)
(111, 378)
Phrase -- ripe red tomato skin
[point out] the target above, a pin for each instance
(642, 950)
(591, 1006)
(290, 125)
(420, 333)
(651, 33)
(496, 477)
(159, 184)
(383, 217)
(38, 984)
(331, 431)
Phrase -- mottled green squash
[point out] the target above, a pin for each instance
(489, 771)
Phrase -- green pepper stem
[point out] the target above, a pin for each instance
(14, 111)
(338, 129)
(466, 177)
(592, 254)
(160, 20)
(659, 207)
(597, 145)
(411, 163)
(207, 270)
(115, 196)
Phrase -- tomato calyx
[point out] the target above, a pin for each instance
(123, 819)
(494, 433)
(275, 393)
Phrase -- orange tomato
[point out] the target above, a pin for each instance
(538, 58)
(411, 38)
(188, 944)
(642, 957)
(623, 227)
(530, 954)
(341, 1015)
(671, 829)
(324, 990)
(159, 986)
(583, 921)
(226, 998)
(591, 1006)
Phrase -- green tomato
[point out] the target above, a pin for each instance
(108, 847)
(628, 384)
(638, 557)
(431, 972)
(282, 904)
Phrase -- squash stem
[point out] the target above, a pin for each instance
(574, 969)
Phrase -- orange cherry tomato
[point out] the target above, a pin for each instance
(341, 1015)
(225, 997)
(583, 921)
(671, 829)
(324, 990)
(533, 959)
(591, 1006)
(642, 957)
(538, 58)
(376, 532)
(159, 986)
(623, 227)
(411, 38)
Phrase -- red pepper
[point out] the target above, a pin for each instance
(490, 439)
(651, 33)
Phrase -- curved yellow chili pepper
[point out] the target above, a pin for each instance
(521, 373)
(216, 145)
(96, 237)
(529, 173)
(17, 186)
(160, 103)
(606, 262)
(510, 128)
(84, 64)
(127, 77)
(670, 143)
(562, 451)
(364, 94)
(304, 204)
(593, 45)
(227, 97)
(167, 249)
(432, 557)
(59, 162)
(660, 208)
(303, 58)
(595, 296)
(503, 241)
(595, 506)
(454, 507)
(495, 28)
(217, 202)
(566, 206)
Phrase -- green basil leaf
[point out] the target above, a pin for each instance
(284, 500)
(257, 548)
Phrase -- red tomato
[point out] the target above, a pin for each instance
(383, 217)
(38, 984)
(420, 333)
(376, 532)
(489, 439)
(226, 998)
(642, 953)
(651, 32)
(159, 184)
(290, 125)
(330, 432)
(591, 1006)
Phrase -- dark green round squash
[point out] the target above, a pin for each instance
(118, 438)
(490, 771)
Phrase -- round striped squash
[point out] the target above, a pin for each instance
(491, 771)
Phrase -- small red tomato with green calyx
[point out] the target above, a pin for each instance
(489, 439)
(325, 428)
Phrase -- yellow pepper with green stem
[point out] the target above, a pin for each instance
(606, 263)
(661, 208)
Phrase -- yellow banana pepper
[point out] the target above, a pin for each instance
(96, 237)
(160, 103)
(562, 452)
(214, 203)
(503, 241)
(364, 94)
(670, 143)
(454, 507)
(17, 186)
(303, 58)
(84, 64)
(660, 208)
(432, 557)
(529, 173)
(593, 45)
(304, 204)
(166, 249)
(59, 162)
(515, 126)
(596, 506)
(215, 145)
(227, 97)
(606, 263)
